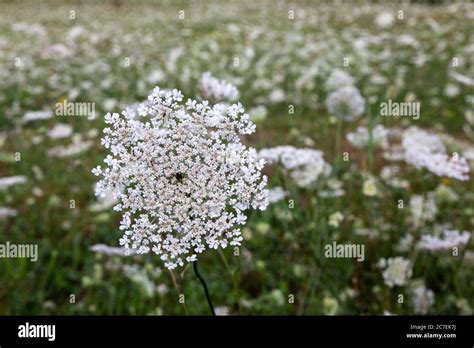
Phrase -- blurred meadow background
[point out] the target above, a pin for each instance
(286, 58)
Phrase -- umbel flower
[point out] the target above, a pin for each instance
(397, 271)
(425, 150)
(304, 165)
(346, 103)
(182, 176)
(217, 90)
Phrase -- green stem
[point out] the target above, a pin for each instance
(370, 145)
(206, 292)
(232, 276)
(338, 140)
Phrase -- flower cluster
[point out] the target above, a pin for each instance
(397, 271)
(182, 176)
(425, 150)
(338, 79)
(304, 165)
(446, 240)
(217, 90)
(422, 298)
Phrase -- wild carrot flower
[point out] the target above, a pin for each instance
(182, 176)
(425, 150)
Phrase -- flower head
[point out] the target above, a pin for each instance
(304, 165)
(446, 240)
(338, 79)
(182, 176)
(425, 150)
(346, 103)
(217, 90)
(397, 271)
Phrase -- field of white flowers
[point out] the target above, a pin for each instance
(358, 118)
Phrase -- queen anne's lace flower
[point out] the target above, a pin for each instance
(397, 271)
(304, 165)
(346, 103)
(444, 241)
(182, 176)
(425, 150)
(217, 90)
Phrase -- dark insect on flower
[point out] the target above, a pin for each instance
(179, 177)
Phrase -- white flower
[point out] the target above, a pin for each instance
(7, 212)
(277, 96)
(105, 201)
(276, 194)
(422, 299)
(423, 208)
(424, 150)
(397, 271)
(391, 175)
(60, 131)
(463, 79)
(77, 147)
(335, 219)
(369, 188)
(346, 103)
(304, 165)
(217, 90)
(8, 181)
(384, 19)
(338, 79)
(108, 250)
(222, 310)
(445, 240)
(37, 115)
(360, 138)
(182, 175)
(258, 113)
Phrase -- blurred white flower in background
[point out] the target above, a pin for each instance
(423, 208)
(445, 240)
(8, 181)
(421, 298)
(304, 165)
(37, 116)
(7, 212)
(276, 194)
(397, 271)
(360, 138)
(60, 131)
(384, 20)
(425, 150)
(335, 219)
(346, 103)
(216, 90)
(338, 79)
